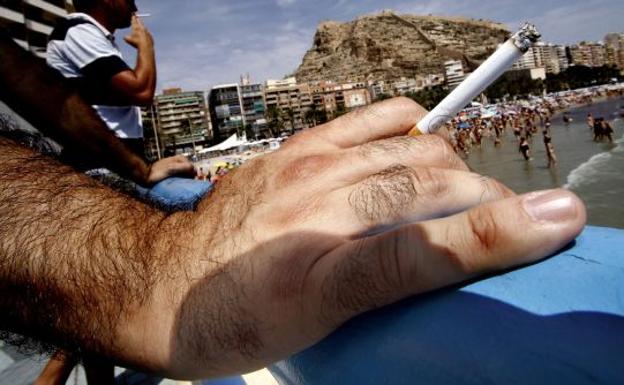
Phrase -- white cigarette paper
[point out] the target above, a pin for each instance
(143, 14)
(479, 80)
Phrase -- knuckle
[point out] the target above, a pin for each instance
(405, 102)
(391, 193)
(442, 150)
(372, 112)
(304, 169)
(483, 236)
(430, 184)
(498, 189)
(383, 196)
(396, 146)
(492, 189)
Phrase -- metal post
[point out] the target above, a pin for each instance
(190, 124)
(154, 124)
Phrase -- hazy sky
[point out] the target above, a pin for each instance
(201, 43)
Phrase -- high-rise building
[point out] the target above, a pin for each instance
(588, 54)
(454, 73)
(552, 58)
(290, 99)
(562, 57)
(546, 56)
(526, 62)
(614, 43)
(30, 22)
(181, 121)
(226, 111)
(615, 40)
(252, 97)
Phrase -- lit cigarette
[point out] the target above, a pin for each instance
(479, 80)
(143, 14)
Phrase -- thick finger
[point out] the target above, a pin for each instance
(382, 269)
(338, 169)
(400, 195)
(380, 120)
(423, 151)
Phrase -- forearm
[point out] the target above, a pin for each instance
(145, 71)
(82, 266)
(61, 113)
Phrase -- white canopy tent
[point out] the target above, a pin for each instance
(231, 142)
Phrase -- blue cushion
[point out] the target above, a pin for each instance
(557, 321)
(178, 193)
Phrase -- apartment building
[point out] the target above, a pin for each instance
(334, 98)
(526, 62)
(356, 97)
(291, 99)
(454, 73)
(546, 57)
(30, 22)
(182, 123)
(552, 58)
(324, 96)
(588, 54)
(253, 108)
(226, 111)
(404, 86)
(377, 89)
(562, 57)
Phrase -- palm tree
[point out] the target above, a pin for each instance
(275, 124)
(289, 114)
(310, 116)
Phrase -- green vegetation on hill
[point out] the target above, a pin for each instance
(580, 76)
(512, 85)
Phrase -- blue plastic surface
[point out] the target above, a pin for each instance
(558, 321)
(175, 194)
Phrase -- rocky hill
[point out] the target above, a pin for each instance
(388, 46)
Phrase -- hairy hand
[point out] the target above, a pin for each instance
(139, 36)
(345, 218)
(167, 167)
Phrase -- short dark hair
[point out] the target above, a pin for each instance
(84, 5)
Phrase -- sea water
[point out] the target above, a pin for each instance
(594, 171)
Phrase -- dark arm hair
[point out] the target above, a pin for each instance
(77, 259)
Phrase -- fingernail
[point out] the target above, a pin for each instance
(551, 206)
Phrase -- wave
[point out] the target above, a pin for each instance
(590, 171)
(587, 172)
